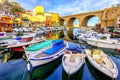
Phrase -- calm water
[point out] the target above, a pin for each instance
(55, 71)
(87, 72)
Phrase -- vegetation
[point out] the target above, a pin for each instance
(11, 7)
(16, 9)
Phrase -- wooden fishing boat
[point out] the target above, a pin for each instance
(102, 62)
(72, 61)
(45, 52)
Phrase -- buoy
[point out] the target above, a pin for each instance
(28, 66)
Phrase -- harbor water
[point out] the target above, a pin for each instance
(55, 71)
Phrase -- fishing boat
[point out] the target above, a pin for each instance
(38, 31)
(72, 61)
(3, 34)
(45, 52)
(4, 39)
(117, 31)
(102, 62)
(23, 41)
(103, 41)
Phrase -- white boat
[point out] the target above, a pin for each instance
(4, 39)
(23, 41)
(38, 31)
(102, 62)
(81, 35)
(103, 41)
(45, 52)
(3, 35)
(72, 61)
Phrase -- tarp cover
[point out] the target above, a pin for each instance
(39, 46)
(57, 45)
(74, 46)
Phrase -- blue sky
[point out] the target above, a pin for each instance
(68, 7)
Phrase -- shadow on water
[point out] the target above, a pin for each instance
(97, 74)
(76, 76)
(42, 72)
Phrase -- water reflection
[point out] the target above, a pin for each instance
(87, 71)
(97, 74)
(41, 72)
(79, 74)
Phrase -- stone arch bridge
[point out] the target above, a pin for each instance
(107, 16)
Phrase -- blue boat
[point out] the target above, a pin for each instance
(45, 52)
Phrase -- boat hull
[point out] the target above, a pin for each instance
(39, 62)
(111, 72)
(71, 68)
(103, 44)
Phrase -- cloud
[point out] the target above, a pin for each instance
(79, 6)
(105, 3)
(72, 8)
(65, 7)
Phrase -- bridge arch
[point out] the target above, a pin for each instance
(87, 18)
(71, 20)
(117, 21)
(62, 21)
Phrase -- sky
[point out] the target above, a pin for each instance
(68, 7)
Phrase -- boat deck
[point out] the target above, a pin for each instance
(41, 55)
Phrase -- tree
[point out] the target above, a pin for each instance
(16, 9)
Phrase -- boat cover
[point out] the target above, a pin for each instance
(39, 46)
(18, 38)
(74, 46)
(57, 45)
(14, 70)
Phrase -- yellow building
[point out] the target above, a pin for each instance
(19, 21)
(38, 10)
(52, 18)
(40, 18)
(55, 17)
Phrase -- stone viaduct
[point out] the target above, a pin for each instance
(108, 17)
